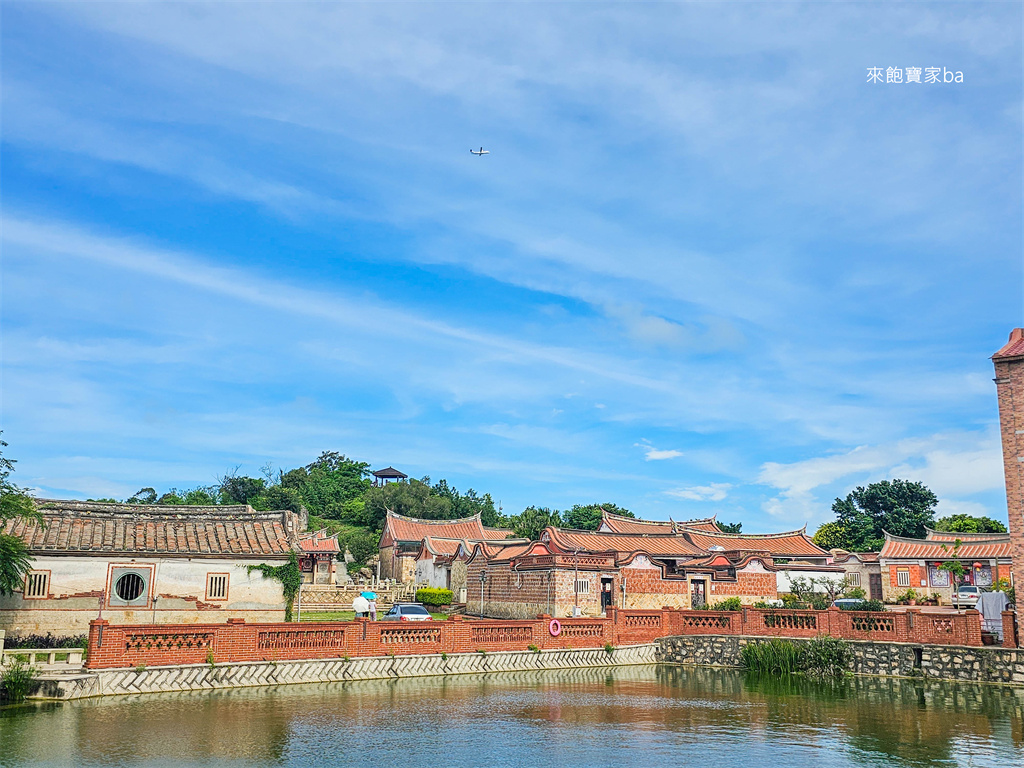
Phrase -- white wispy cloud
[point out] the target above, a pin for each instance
(712, 492)
(656, 454)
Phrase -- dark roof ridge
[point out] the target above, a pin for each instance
(72, 506)
(1002, 539)
(783, 534)
(973, 535)
(469, 519)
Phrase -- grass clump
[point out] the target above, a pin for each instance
(826, 656)
(776, 657)
(822, 657)
(17, 680)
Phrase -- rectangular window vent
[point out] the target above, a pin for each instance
(217, 586)
(582, 586)
(37, 584)
(853, 579)
(902, 577)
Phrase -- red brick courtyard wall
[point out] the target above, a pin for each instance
(167, 644)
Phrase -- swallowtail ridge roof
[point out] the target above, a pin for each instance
(621, 524)
(791, 544)
(410, 529)
(933, 535)
(567, 541)
(319, 541)
(900, 548)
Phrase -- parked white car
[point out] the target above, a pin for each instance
(966, 596)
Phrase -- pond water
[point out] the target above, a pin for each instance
(639, 716)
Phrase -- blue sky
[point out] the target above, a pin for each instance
(707, 268)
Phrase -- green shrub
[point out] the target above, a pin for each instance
(609, 648)
(729, 604)
(17, 680)
(856, 593)
(864, 605)
(432, 596)
(826, 656)
(533, 648)
(776, 657)
(46, 641)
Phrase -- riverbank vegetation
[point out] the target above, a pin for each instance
(822, 656)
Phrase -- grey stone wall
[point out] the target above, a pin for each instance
(939, 662)
(205, 677)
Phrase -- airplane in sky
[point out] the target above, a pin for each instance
(480, 152)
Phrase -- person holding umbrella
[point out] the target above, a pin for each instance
(360, 605)
(372, 598)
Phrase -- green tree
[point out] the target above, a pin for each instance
(969, 524)
(533, 520)
(955, 568)
(412, 498)
(143, 496)
(731, 527)
(239, 489)
(277, 497)
(331, 486)
(15, 561)
(901, 507)
(469, 504)
(587, 517)
(831, 535)
(361, 543)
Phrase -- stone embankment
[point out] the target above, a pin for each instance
(886, 659)
(209, 677)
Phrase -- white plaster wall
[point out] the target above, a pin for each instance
(78, 583)
(783, 578)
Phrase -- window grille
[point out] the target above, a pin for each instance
(129, 586)
(37, 584)
(582, 586)
(217, 586)
(902, 577)
(853, 579)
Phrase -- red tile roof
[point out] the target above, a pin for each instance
(319, 541)
(567, 541)
(621, 524)
(795, 544)
(1014, 347)
(900, 548)
(411, 529)
(79, 527)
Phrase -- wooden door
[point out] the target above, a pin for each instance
(875, 586)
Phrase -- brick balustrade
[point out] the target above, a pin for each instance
(166, 644)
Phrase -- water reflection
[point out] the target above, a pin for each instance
(643, 716)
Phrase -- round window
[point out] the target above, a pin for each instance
(129, 587)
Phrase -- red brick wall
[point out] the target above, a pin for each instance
(1010, 392)
(168, 644)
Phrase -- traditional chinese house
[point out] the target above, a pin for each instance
(139, 564)
(318, 557)
(908, 563)
(402, 537)
(591, 571)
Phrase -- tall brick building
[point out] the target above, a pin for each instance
(1009, 365)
